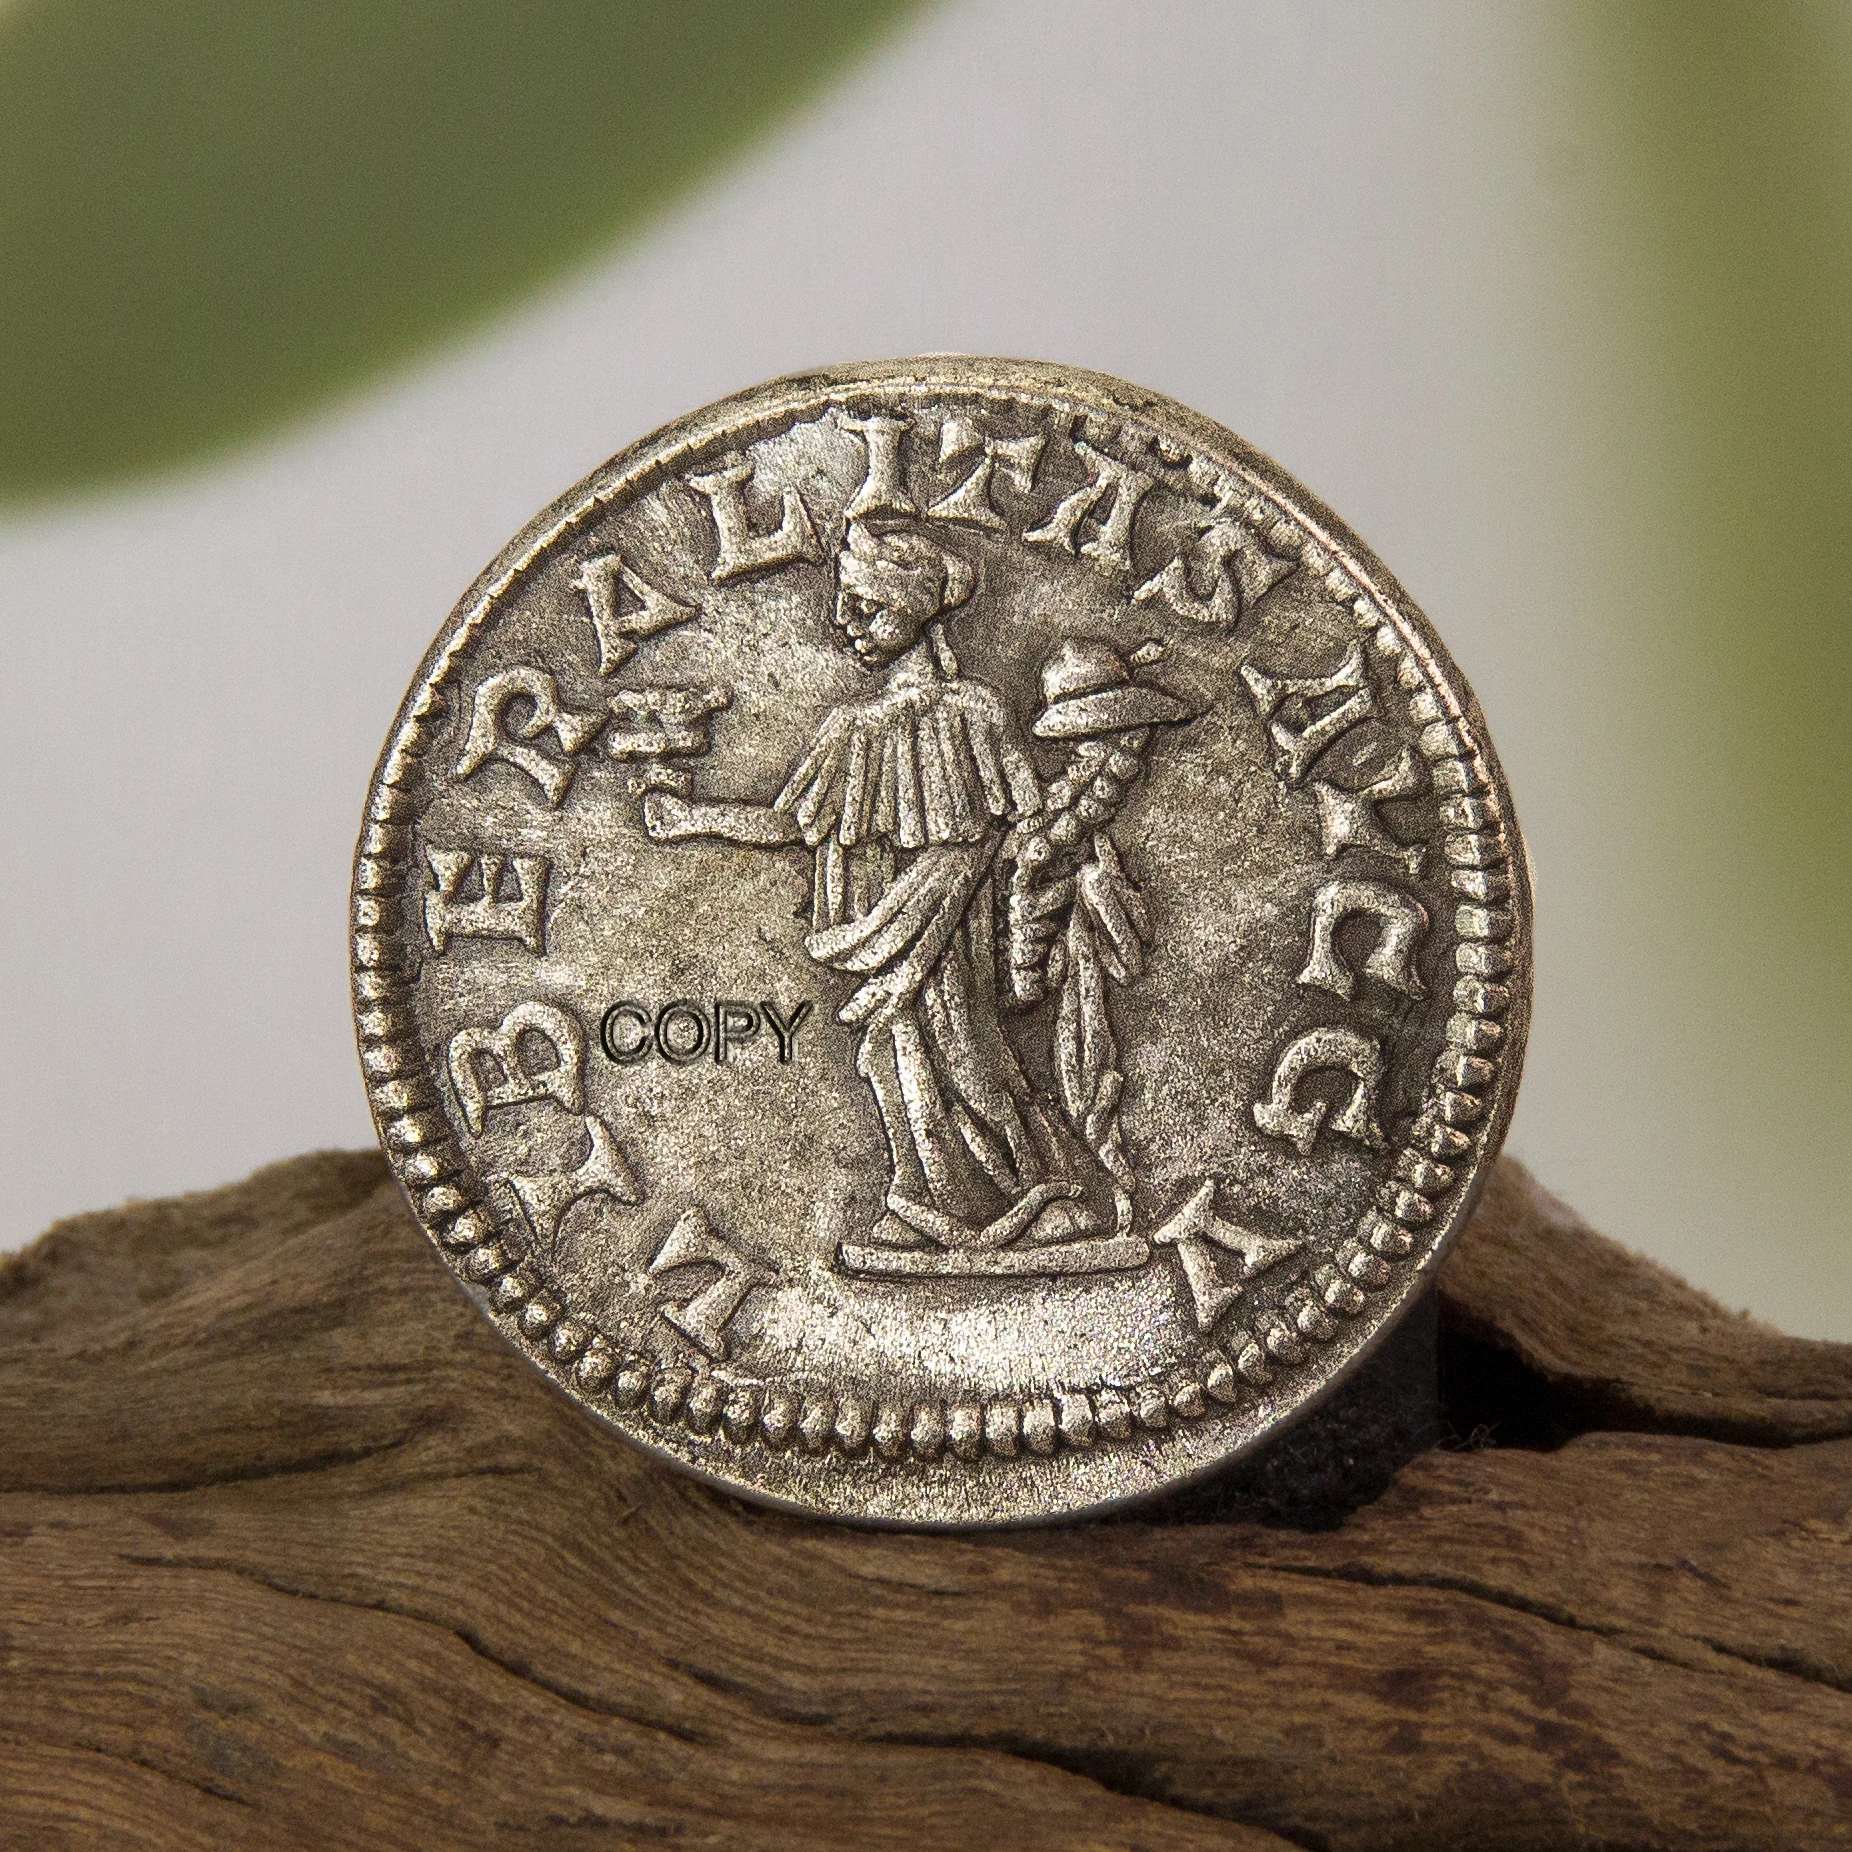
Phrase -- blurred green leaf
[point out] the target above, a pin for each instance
(1728, 203)
(216, 213)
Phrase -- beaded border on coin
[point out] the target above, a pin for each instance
(1462, 1115)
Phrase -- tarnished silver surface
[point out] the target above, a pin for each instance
(939, 943)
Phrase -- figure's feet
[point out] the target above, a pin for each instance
(938, 1227)
(892, 1231)
(1025, 1213)
(1045, 1212)
(1061, 1221)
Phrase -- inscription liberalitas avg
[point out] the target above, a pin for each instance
(829, 1090)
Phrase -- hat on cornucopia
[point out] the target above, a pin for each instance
(1087, 689)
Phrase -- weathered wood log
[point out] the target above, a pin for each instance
(294, 1553)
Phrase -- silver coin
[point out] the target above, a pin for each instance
(939, 943)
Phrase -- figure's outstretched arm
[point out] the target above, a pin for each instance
(669, 818)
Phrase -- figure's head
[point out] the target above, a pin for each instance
(890, 587)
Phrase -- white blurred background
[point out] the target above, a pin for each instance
(1371, 238)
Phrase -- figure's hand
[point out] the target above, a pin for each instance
(1036, 912)
(1035, 916)
(1116, 908)
(668, 818)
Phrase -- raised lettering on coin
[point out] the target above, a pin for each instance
(1286, 703)
(625, 609)
(1110, 495)
(1229, 559)
(703, 1318)
(1350, 820)
(493, 734)
(1010, 460)
(1342, 1051)
(508, 903)
(512, 1077)
(1399, 919)
(546, 1195)
(1196, 1233)
(743, 549)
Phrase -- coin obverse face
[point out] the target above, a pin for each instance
(940, 944)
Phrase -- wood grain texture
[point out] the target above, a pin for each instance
(293, 1552)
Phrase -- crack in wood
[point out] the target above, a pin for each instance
(466, 1637)
(1629, 1639)
(1118, 1772)
(77, 1746)
(331, 1460)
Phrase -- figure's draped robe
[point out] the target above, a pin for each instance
(905, 800)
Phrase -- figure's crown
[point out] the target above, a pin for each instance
(902, 568)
